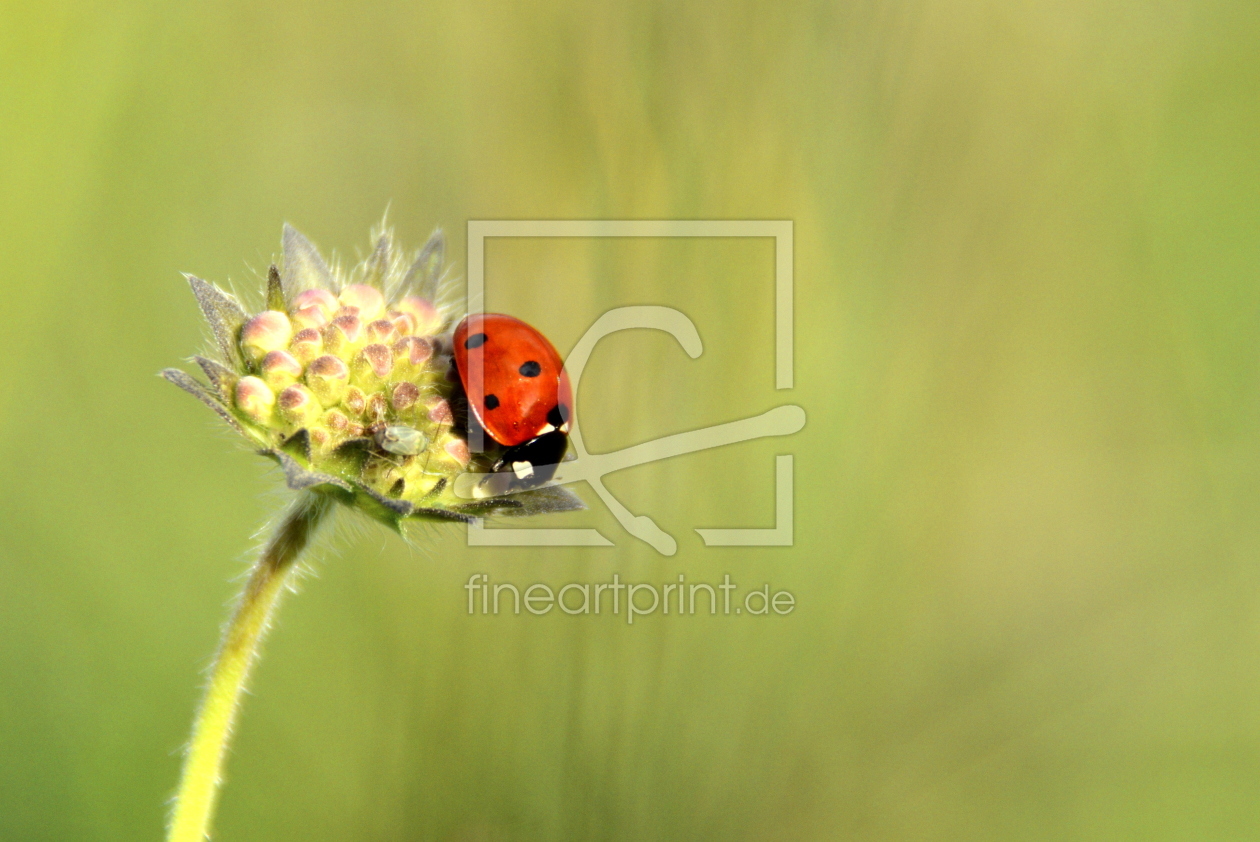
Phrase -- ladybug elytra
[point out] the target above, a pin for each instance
(518, 391)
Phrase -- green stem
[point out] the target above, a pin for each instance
(212, 729)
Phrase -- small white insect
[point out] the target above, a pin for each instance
(400, 439)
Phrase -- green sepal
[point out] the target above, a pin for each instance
(376, 267)
(304, 268)
(220, 376)
(203, 393)
(422, 278)
(224, 315)
(275, 290)
(299, 478)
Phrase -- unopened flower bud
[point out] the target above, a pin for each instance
(255, 399)
(327, 377)
(354, 400)
(404, 323)
(313, 308)
(457, 449)
(307, 345)
(308, 317)
(297, 404)
(368, 299)
(336, 421)
(374, 361)
(382, 331)
(342, 334)
(427, 320)
(439, 411)
(376, 407)
(411, 354)
(269, 331)
(280, 368)
(404, 396)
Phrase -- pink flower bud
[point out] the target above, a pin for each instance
(327, 376)
(404, 396)
(280, 368)
(336, 421)
(307, 345)
(309, 317)
(404, 323)
(342, 333)
(382, 331)
(439, 410)
(297, 404)
(458, 450)
(423, 312)
(376, 359)
(376, 406)
(368, 299)
(413, 351)
(354, 400)
(269, 331)
(255, 399)
(321, 299)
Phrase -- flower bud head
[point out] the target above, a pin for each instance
(351, 392)
(336, 421)
(308, 317)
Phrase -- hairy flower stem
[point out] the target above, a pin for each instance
(212, 729)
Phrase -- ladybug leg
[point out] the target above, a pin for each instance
(533, 463)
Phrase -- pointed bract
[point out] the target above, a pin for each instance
(275, 290)
(376, 267)
(304, 267)
(223, 314)
(220, 376)
(299, 478)
(202, 392)
(423, 276)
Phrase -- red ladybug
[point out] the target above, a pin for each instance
(518, 392)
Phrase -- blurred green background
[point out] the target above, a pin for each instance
(1026, 496)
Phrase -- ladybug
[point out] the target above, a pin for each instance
(518, 391)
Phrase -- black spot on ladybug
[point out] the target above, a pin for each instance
(475, 341)
(530, 369)
(558, 415)
(492, 401)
